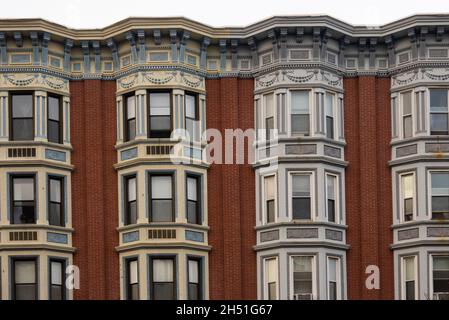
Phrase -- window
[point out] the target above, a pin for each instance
(333, 278)
(54, 120)
(407, 196)
(22, 120)
(440, 275)
(331, 195)
(162, 209)
(302, 276)
(269, 116)
(194, 279)
(160, 115)
(130, 119)
(301, 197)
(300, 112)
(440, 195)
(163, 279)
(192, 117)
(407, 120)
(56, 216)
(132, 279)
(409, 278)
(24, 276)
(271, 279)
(439, 122)
(130, 200)
(57, 280)
(330, 116)
(270, 198)
(193, 200)
(23, 199)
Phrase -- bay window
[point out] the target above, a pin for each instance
(22, 117)
(132, 279)
(331, 198)
(24, 279)
(333, 278)
(407, 120)
(271, 279)
(270, 199)
(301, 204)
(54, 119)
(439, 121)
(300, 118)
(23, 199)
(330, 116)
(192, 118)
(409, 286)
(440, 275)
(193, 200)
(56, 216)
(440, 195)
(407, 189)
(160, 115)
(194, 285)
(57, 280)
(161, 197)
(130, 200)
(130, 118)
(302, 276)
(163, 284)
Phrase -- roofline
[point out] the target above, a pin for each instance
(134, 23)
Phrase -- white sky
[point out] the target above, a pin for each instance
(97, 14)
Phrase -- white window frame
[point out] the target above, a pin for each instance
(403, 274)
(428, 112)
(264, 276)
(338, 274)
(312, 193)
(401, 197)
(401, 113)
(429, 188)
(290, 112)
(264, 114)
(314, 275)
(334, 114)
(337, 196)
(431, 256)
(264, 207)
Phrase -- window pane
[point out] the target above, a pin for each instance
(329, 105)
(23, 212)
(193, 291)
(300, 123)
(300, 102)
(440, 205)
(270, 187)
(302, 277)
(131, 189)
(23, 189)
(410, 290)
(55, 214)
(163, 270)
(330, 127)
(301, 185)
(25, 272)
(22, 106)
(192, 189)
(409, 268)
(161, 187)
(194, 271)
(330, 187)
(331, 210)
(438, 100)
(25, 292)
(441, 274)
(270, 211)
(23, 129)
(439, 123)
(190, 106)
(56, 273)
(192, 212)
(159, 104)
(162, 211)
(133, 272)
(131, 107)
(408, 127)
(301, 208)
(163, 291)
(332, 291)
(131, 132)
(160, 123)
(440, 183)
(53, 131)
(406, 103)
(269, 106)
(332, 271)
(407, 186)
(53, 108)
(132, 214)
(55, 190)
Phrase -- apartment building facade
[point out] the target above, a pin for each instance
(107, 175)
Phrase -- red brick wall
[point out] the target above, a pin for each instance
(231, 196)
(94, 188)
(368, 184)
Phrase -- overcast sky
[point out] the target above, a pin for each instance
(97, 14)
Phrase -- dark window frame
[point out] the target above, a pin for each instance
(200, 289)
(310, 197)
(12, 201)
(13, 275)
(173, 258)
(127, 206)
(199, 216)
(173, 198)
(60, 121)
(170, 93)
(11, 118)
(128, 278)
(61, 180)
(63, 280)
(125, 117)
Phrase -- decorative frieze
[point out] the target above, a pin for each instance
(419, 77)
(32, 81)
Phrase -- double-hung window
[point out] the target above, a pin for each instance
(330, 122)
(407, 118)
(161, 195)
(130, 200)
(23, 199)
(301, 202)
(440, 275)
(24, 279)
(192, 118)
(56, 216)
(271, 279)
(160, 122)
(332, 205)
(300, 118)
(439, 121)
(409, 278)
(440, 195)
(163, 284)
(194, 279)
(57, 280)
(407, 196)
(270, 199)
(54, 119)
(22, 117)
(269, 116)
(130, 118)
(132, 279)
(302, 276)
(193, 200)
(333, 279)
